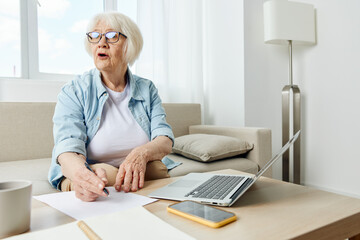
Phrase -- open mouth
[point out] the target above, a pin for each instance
(102, 55)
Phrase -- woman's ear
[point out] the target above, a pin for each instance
(125, 52)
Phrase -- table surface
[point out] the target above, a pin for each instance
(270, 209)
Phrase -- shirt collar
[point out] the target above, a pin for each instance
(99, 85)
(134, 89)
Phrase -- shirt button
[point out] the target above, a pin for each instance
(98, 118)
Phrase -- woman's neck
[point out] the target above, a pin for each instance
(116, 81)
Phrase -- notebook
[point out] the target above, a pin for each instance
(215, 189)
(116, 225)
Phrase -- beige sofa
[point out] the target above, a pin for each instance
(26, 142)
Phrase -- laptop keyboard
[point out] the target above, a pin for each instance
(217, 187)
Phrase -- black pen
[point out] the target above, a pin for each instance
(88, 167)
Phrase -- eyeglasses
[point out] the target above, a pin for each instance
(111, 37)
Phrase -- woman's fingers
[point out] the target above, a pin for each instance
(92, 183)
(84, 194)
(101, 173)
(142, 179)
(89, 184)
(119, 178)
(135, 181)
(127, 180)
(131, 175)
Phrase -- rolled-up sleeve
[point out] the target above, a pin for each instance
(69, 130)
(159, 126)
(69, 123)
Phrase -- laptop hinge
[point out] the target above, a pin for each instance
(246, 183)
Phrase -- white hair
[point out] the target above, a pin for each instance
(121, 23)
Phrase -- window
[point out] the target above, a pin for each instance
(44, 39)
(10, 58)
(61, 30)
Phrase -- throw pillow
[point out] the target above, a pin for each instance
(207, 147)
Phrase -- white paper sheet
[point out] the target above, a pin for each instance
(135, 223)
(67, 203)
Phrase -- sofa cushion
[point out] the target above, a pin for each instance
(189, 165)
(208, 147)
(35, 170)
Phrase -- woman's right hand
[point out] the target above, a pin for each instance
(88, 186)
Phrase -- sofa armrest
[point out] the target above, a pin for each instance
(260, 137)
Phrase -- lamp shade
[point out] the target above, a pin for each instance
(285, 20)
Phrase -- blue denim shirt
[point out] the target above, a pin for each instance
(79, 109)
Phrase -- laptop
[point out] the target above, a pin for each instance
(214, 189)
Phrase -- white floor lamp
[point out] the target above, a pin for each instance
(290, 23)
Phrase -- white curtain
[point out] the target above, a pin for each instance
(172, 56)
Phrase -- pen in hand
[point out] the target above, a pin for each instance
(89, 168)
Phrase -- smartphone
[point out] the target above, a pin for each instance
(208, 215)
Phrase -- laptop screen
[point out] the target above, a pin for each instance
(277, 156)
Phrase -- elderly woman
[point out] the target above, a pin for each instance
(109, 118)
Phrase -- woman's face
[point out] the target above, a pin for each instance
(108, 57)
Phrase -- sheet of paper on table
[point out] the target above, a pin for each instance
(134, 223)
(67, 203)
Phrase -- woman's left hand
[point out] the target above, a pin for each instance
(132, 171)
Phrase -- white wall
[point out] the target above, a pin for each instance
(328, 77)
(224, 64)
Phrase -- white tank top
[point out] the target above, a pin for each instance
(118, 132)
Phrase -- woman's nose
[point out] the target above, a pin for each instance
(102, 43)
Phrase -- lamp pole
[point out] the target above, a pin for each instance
(291, 95)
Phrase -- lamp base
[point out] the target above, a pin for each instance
(288, 122)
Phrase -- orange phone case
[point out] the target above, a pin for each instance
(202, 220)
